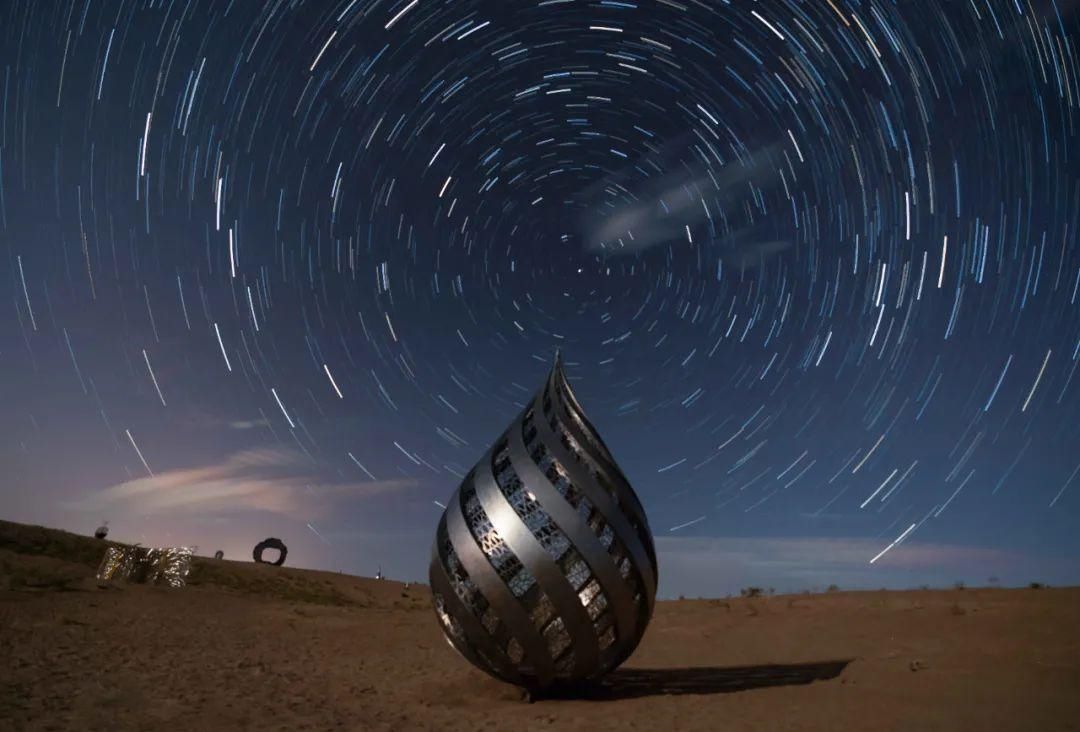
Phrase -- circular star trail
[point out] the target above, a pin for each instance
(813, 266)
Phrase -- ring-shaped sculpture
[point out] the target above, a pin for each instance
(270, 543)
(543, 570)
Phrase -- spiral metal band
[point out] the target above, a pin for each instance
(543, 568)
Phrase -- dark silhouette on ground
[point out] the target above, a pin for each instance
(632, 683)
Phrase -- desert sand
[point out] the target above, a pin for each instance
(248, 646)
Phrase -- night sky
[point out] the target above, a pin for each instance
(287, 269)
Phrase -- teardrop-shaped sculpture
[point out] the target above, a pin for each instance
(543, 569)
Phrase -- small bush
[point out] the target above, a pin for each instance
(751, 592)
(1036, 585)
(959, 585)
(833, 588)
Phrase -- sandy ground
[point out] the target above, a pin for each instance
(256, 647)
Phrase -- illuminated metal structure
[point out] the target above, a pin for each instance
(543, 569)
(167, 566)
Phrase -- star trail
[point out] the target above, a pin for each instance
(282, 266)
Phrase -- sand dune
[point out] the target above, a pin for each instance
(250, 646)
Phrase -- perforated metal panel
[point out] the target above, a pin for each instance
(543, 568)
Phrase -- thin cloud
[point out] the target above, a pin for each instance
(658, 212)
(248, 424)
(270, 480)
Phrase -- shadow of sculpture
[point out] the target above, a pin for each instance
(631, 683)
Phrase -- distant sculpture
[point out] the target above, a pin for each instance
(219, 554)
(168, 566)
(543, 569)
(270, 543)
(102, 531)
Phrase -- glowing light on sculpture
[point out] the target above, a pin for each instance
(543, 569)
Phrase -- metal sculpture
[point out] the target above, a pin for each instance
(167, 566)
(543, 570)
